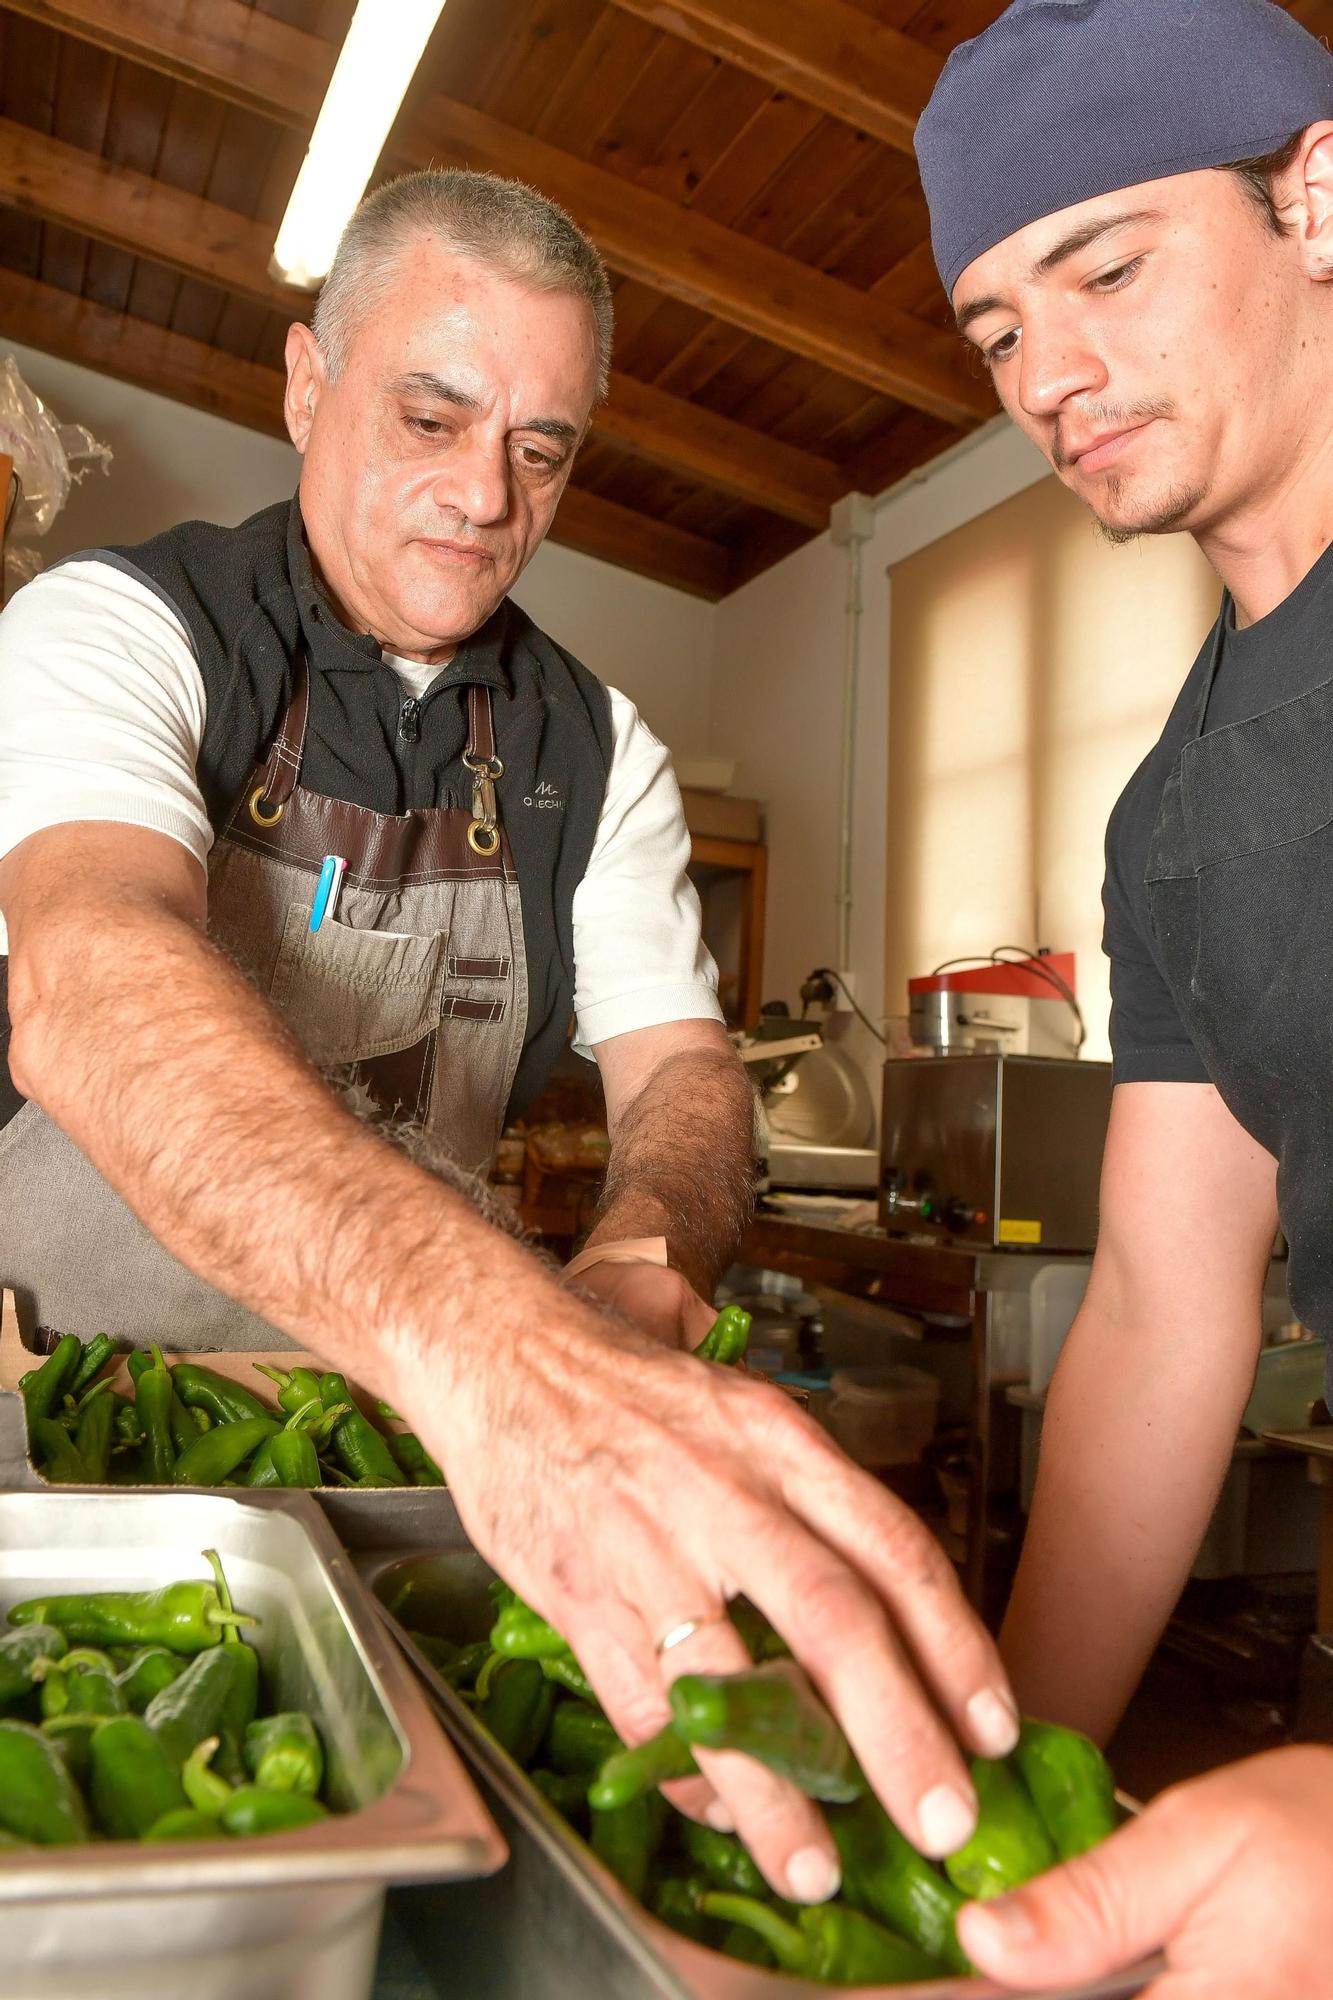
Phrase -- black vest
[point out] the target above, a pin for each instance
(250, 601)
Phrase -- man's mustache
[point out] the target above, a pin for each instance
(1096, 423)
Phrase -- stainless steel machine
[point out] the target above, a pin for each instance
(995, 1151)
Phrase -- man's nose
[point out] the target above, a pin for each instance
(1057, 364)
(475, 480)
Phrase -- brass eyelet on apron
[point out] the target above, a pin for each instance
(483, 839)
(263, 818)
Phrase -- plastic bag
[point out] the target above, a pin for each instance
(49, 457)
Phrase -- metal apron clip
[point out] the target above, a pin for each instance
(483, 835)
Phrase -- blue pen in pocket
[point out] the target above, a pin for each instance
(326, 894)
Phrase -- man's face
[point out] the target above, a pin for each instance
(1146, 343)
(434, 463)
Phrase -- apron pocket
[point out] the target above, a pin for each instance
(349, 994)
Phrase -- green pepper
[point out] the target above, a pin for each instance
(39, 1800)
(153, 1402)
(20, 1653)
(290, 1457)
(43, 1387)
(296, 1386)
(579, 1738)
(770, 1713)
(727, 1338)
(283, 1753)
(252, 1810)
(128, 1423)
(567, 1791)
(185, 1616)
(626, 1839)
(184, 1823)
(238, 1711)
(762, 1643)
(83, 1683)
(133, 1781)
(566, 1672)
(184, 1425)
(723, 1859)
(57, 1454)
(92, 1361)
(151, 1669)
(414, 1459)
(883, 1876)
(831, 1944)
(675, 1902)
(629, 1774)
(212, 1457)
(221, 1399)
(192, 1707)
(515, 1704)
(521, 1633)
(362, 1450)
(457, 1666)
(92, 1435)
(1070, 1783)
(207, 1792)
(1010, 1844)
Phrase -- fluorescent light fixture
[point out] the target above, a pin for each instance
(379, 57)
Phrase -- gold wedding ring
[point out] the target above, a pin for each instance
(678, 1634)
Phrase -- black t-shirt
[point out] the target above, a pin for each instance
(1278, 659)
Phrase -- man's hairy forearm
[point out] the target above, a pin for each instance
(682, 1164)
(1138, 1432)
(186, 1090)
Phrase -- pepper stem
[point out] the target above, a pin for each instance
(206, 1791)
(789, 1946)
(279, 1375)
(227, 1614)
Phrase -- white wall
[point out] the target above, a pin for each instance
(777, 705)
(175, 464)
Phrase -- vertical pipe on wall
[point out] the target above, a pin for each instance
(851, 524)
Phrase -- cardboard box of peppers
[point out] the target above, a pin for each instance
(136, 1715)
(188, 1425)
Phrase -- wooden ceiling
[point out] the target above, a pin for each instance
(744, 165)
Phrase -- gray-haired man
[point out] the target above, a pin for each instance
(428, 835)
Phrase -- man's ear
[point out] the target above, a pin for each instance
(1310, 181)
(306, 380)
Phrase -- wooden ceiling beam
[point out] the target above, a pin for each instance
(56, 182)
(60, 183)
(824, 52)
(732, 457)
(189, 371)
(641, 234)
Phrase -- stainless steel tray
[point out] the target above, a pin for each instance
(290, 1917)
(556, 1925)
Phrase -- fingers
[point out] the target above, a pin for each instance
(907, 1570)
(841, 1636)
(782, 1829)
(1114, 1906)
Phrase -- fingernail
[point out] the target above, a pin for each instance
(719, 1817)
(947, 1818)
(813, 1876)
(1003, 1925)
(994, 1722)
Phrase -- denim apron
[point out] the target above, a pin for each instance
(1240, 892)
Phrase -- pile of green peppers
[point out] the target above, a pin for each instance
(189, 1426)
(137, 1715)
(894, 1920)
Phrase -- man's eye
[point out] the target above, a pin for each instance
(1000, 350)
(1113, 281)
(537, 461)
(426, 426)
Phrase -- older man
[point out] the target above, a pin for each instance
(1132, 212)
(420, 834)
